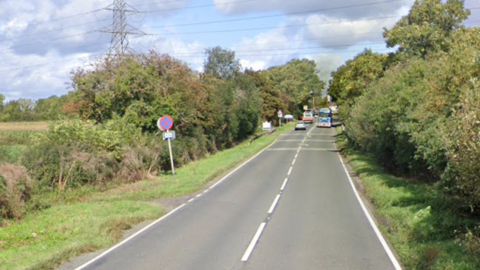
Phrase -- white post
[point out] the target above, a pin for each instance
(171, 156)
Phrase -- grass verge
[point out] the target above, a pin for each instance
(86, 220)
(425, 228)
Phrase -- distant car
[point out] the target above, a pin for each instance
(288, 117)
(300, 125)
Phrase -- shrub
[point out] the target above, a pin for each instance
(462, 175)
(15, 190)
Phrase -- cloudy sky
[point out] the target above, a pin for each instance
(41, 41)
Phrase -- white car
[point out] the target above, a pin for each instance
(300, 125)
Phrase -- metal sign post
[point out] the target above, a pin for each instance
(171, 157)
(165, 123)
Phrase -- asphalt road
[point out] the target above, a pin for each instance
(290, 207)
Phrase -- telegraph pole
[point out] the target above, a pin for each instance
(120, 29)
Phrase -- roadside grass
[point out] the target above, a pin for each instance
(425, 228)
(87, 219)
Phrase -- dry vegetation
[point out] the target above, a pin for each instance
(24, 126)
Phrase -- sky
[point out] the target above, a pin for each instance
(42, 41)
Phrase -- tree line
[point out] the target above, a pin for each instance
(417, 111)
(107, 126)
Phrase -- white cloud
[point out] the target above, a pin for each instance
(340, 9)
(42, 40)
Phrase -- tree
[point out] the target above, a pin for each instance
(427, 27)
(350, 80)
(271, 97)
(19, 110)
(221, 63)
(48, 108)
(295, 80)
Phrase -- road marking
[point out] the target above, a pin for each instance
(370, 219)
(274, 204)
(238, 168)
(198, 195)
(191, 200)
(293, 162)
(284, 184)
(129, 238)
(289, 171)
(167, 215)
(253, 242)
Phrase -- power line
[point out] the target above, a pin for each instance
(195, 7)
(50, 31)
(270, 28)
(59, 19)
(283, 14)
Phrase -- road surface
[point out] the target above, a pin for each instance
(290, 207)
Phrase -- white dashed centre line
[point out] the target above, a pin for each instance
(260, 230)
(274, 204)
(284, 184)
(253, 242)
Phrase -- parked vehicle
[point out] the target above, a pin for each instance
(300, 125)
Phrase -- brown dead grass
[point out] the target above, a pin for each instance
(24, 126)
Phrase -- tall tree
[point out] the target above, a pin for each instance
(295, 80)
(221, 63)
(271, 97)
(351, 79)
(427, 27)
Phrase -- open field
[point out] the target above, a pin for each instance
(24, 126)
(16, 136)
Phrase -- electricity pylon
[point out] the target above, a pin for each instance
(120, 29)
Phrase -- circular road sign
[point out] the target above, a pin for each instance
(165, 123)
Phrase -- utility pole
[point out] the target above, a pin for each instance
(120, 29)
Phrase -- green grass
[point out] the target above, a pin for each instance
(14, 142)
(21, 137)
(86, 219)
(424, 227)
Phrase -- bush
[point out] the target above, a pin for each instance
(15, 190)
(74, 153)
(462, 175)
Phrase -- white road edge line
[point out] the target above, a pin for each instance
(274, 204)
(284, 184)
(129, 238)
(191, 200)
(289, 171)
(167, 215)
(293, 163)
(255, 238)
(370, 219)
